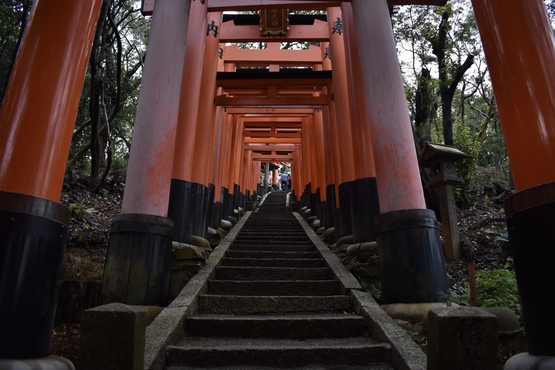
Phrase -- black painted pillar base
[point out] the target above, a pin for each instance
(345, 208)
(292, 196)
(531, 225)
(365, 206)
(201, 209)
(217, 215)
(412, 269)
(305, 198)
(225, 203)
(313, 199)
(237, 196)
(210, 209)
(188, 206)
(33, 236)
(138, 263)
(330, 205)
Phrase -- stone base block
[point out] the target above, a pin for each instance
(525, 361)
(461, 338)
(43, 363)
(113, 337)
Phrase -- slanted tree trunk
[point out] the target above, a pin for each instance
(448, 89)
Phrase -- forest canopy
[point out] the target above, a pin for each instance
(447, 86)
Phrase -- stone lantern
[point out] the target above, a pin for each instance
(443, 176)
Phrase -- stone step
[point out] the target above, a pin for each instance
(226, 304)
(381, 366)
(274, 288)
(294, 326)
(277, 353)
(278, 241)
(261, 236)
(273, 262)
(277, 248)
(273, 273)
(271, 254)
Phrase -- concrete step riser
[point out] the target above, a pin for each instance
(258, 304)
(273, 262)
(274, 288)
(285, 327)
(272, 273)
(270, 254)
(273, 248)
(278, 357)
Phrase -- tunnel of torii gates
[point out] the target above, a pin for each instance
(205, 124)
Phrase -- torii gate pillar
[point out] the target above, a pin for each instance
(36, 125)
(411, 258)
(138, 263)
(519, 47)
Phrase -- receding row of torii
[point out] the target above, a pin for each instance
(203, 128)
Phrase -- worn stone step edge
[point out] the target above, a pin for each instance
(272, 273)
(273, 248)
(277, 353)
(274, 288)
(272, 254)
(334, 325)
(209, 303)
(273, 262)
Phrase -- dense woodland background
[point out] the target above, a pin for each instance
(450, 101)
(446, 82)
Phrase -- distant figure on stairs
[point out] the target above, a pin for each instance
(285, 180)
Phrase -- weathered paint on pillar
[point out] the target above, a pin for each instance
(364, 192)
(409, 245)
(40, 106)
(36, 125)
(399, 184)
(151, 158)
(362, 140)
(520, 51)
(138, 263)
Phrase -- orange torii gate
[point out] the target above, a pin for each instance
(39, 110)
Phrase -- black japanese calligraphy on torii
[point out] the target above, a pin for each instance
(327, 53)
(337, 26)
(212, 28)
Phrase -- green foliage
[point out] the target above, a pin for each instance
(76, 208)
(498, 288)
(13, 15)
(495, 288)
(361, 271)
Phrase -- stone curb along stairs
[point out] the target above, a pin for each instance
(274, 296)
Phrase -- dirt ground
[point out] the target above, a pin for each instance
(483, 240)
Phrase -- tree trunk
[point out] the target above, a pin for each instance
(96, 149)
(447, 90)
(423, 106)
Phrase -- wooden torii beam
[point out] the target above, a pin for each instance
(243, 5)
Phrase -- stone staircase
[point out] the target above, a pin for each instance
(274, 302)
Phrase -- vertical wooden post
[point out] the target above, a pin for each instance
(320, 165)
(188, 194)
(36, 125)
(519, 46)
(411, 257)
(364, 192)
(137, 269)
(343, 118)
(333, 167)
